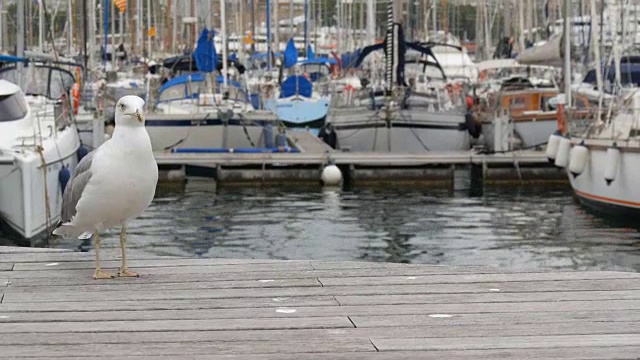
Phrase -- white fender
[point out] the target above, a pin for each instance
(552, 146)
(578, 160)
(611, 167)
(562, 157)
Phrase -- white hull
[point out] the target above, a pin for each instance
(622, 194)
(413, 130)
(529, 133)
(204, 131)
(23, 202)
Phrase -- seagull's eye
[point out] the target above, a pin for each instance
(122, 107)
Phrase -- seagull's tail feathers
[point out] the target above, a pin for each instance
(68, 231)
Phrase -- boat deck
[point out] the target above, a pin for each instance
(50, 307)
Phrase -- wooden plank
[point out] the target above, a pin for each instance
(474, 278)
(552, 290)
(53, 272)
(63, 256)
(87, 262)
(576, 353)
(498, 297)
(495, 318)
(315, 311)
(123, 284)
(53, 278)
(436, 331)
(305, 311)
(186, 349)
(507, 342)
(26, 250)
(591, 353)
(6, 266)
(184, 304)
(178, 325)
(349, 265)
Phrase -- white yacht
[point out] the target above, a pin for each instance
(38, 152)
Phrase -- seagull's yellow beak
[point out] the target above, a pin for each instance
(138, 115)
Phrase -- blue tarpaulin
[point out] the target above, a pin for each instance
(205, 54)
(310, 53)
(290, 55)
(296, 84)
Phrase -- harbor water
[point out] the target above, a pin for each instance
(509, 228)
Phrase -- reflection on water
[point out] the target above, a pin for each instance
(524, 228)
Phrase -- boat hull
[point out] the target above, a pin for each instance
(300, 112)
(622, 196)
(23, 200)
(414, 130)
(209, 131)
(530, 133)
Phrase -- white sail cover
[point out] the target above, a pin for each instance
(549, 53)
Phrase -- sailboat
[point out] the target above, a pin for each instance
(602, 161)
(397, 116)
(303, 98)
(202, 111)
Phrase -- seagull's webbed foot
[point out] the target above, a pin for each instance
(127, 273)
(101, 274)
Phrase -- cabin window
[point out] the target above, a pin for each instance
(176, 92)
(518, 103)
(12, 107)
(544, 103)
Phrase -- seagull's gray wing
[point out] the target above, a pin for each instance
(75, 187)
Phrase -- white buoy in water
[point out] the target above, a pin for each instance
(611, 167)
(562, 157)
(552, 146)
(578, 159)
(331, 175)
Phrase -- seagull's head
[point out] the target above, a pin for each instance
(130, 111)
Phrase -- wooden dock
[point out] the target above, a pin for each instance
(358, 167)
(50, 307)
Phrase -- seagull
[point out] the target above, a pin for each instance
(112, 184)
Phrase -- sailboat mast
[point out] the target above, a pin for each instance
(41, 25)
(269, 58)
(70, 19)
(20, 40)
(390, 55)
(306, 28)
(223, 23)
(148, 29)
(595, 44)
(85, 34)
(253, 27)
(371, 21)
(106, 9)
(291, 32)
(276, 20)
(567, 53)
(2, 32)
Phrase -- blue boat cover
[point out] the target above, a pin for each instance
(310, 53)
(296, 84)
(205, 54)
(195, 77)
(290, 55)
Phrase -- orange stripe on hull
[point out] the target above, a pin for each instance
(606, 199)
